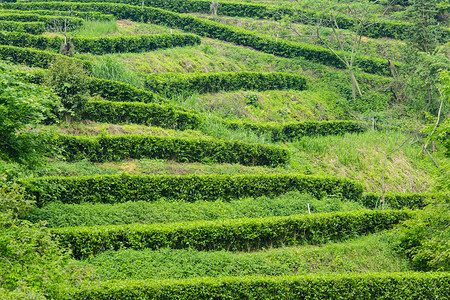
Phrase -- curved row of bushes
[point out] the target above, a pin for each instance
(135, 146)
(34, 58)
(294, 130)
(232, 235)
(166, 116)
(89, 15)
(218, 31)
(122, 188)
(114, 91)
(50, 21)
(382, 286)
(101, 45)
(378, 29)
(170, 84)
(401, 200)
(25, 27)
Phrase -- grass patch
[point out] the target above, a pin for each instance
(366, 254)
(98, 29)
(361, 158)
(107, 67)
(165, 211)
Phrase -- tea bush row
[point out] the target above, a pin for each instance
(90, 15)
(166, 116)
(24, 27)
(118, 147)
(171, 84)
(383, 286)
(101, 45)
(232, 235)
(34, 58)
(123, 188)
(50, 21)
(401, 200)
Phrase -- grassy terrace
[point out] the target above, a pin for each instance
(215, 166)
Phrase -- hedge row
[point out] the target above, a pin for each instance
(111, 90)
(171, 84)
(34, 58)
(379, 28)
(135, 146)
(295, 130)
(122, 188)
(233, 235)
(400, 200)
(50, 21)
(218, 31)
(91, 16)
(101, 45)
(166, 116)
(26, 27)
(382, 286)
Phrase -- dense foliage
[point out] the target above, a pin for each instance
(120, 188)
(21, 106)
(231, 235)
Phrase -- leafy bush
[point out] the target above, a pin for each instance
(400, 200)
(395, 286)
(165, 116)
(122, 188)
(171, 84)
(26, 27)
(51, 22)
(102, 45)
(31, 263)
(425, 239)
(231, 235)
(295, 130)
(69, 81)
(34, 58)
(117, 147)
(22, 105)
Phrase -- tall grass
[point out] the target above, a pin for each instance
(108, 67)
(163, 211)
(97, 28)
(366, 254)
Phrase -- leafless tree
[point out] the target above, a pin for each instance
(214, 7)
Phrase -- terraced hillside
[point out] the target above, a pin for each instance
(263, 152)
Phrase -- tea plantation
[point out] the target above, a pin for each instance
(224, 149)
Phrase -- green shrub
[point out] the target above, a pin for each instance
(117, 147)
(400, 200)
(392, 286)
(425, 240)
(26, 27)
(69, 81)
(171, 84)
(231, 235)
(122, 188)
(101, 45)
(295, 130)
(78, 14)
(108, 89)
(34, 58)
(51, 22)
(165, 116)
